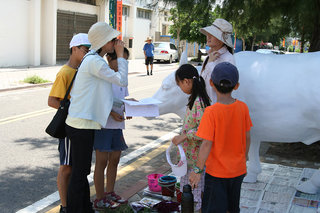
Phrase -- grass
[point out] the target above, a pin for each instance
(35, 80)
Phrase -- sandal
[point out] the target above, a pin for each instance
(114, 197)
(104, 203)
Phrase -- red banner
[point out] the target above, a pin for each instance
(119, 18)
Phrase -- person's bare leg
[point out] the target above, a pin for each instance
(112, 169)
(63, 178)
(101, 164)
(151, 67)
(147, 69)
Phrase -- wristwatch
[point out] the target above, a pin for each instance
(197, 170)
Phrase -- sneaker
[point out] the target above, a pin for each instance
(147, 72)
(63, 209)
(104, 203)
(116, 198)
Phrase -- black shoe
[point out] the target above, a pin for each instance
(63, 209)
(151, 72)
(148, 73)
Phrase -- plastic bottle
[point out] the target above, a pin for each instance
(187, 200)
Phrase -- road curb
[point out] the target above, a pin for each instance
(26, 87)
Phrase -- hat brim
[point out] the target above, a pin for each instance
(148, 40)
(114, 33)
(212, 30)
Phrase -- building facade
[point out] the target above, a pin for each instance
(36, 32)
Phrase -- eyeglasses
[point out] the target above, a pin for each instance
(84, 50)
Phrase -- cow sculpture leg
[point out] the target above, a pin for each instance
(312, 185)
(254, 166)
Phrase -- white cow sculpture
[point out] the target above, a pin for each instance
(283, 96)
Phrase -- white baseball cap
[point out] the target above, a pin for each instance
(181, 168)
(80, 39)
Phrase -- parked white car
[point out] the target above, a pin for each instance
(165, 51)
(269, 51)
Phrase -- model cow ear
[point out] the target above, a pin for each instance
(169, 82)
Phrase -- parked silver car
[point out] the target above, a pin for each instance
(165, 51)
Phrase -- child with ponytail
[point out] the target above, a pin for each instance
(191, 83)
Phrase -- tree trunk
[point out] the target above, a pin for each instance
(315, 40)
(178, 41)
(302, 41)
(243, 44)
(253, 40)
(199, 55)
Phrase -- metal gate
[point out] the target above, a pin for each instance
(68, 24)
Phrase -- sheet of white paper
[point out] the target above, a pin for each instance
(150, 110)
(145, 101)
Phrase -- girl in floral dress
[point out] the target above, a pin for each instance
(191, 83)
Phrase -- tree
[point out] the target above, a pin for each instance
(188, 20)
(263, 19)
(282, 18)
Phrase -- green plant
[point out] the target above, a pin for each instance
(35, 80)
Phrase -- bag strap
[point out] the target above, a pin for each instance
(69, 88)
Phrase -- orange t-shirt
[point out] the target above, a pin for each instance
(226, 127)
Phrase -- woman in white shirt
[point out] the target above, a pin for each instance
(90, 105)
(221, 50)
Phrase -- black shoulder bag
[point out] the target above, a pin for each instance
(57, 127)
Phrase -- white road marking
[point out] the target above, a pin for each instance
(54, 197)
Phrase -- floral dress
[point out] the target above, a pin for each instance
(191, 146)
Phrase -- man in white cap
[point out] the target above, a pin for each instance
(90, 105)
(148, 50)
(79, 46)
(221, 50)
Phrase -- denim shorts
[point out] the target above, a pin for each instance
(65, 151)
(108, 140)
(221, 194)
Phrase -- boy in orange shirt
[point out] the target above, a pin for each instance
(225, 130)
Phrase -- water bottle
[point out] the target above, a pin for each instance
(187, 200)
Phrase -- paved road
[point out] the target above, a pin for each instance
(29, 157)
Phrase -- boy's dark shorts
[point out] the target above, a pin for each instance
(221, 194)
(149, 60)
(65, 151)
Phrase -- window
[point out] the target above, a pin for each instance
(125, 11)
(92, 2)
(148, 15)
(172, 47)
(160, 45)
(144, 14)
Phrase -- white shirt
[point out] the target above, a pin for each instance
(120, 93)
(225, 56)
(91, 94)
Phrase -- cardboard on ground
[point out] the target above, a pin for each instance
(147, 107)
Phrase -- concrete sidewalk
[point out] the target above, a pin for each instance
(12, 78)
